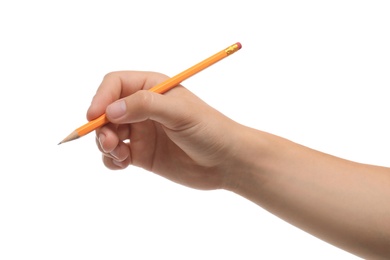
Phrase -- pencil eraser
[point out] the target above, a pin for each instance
(239, 45)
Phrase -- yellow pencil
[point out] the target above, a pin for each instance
(159, 88)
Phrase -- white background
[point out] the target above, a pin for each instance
(315, 72)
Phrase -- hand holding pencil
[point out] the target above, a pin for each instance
(159, 88)
(168, 134)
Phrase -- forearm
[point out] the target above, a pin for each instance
(342, 202)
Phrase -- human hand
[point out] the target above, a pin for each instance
(175, 135)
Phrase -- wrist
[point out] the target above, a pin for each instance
(247, 160)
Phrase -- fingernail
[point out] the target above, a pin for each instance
(101, 139)
(114, 154)
(116, 109)
(119, 164)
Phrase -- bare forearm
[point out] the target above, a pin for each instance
(342, 202)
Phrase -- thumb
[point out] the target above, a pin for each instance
(170, 111)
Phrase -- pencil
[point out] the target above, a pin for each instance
(159, 88)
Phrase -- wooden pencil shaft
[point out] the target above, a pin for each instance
(176, 80)
(92, 125)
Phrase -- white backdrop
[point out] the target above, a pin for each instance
(315, 72)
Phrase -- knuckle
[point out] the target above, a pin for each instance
(110, 75)
(145, 100)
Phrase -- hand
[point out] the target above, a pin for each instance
(175, 135)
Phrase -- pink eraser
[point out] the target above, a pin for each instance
(239, 45)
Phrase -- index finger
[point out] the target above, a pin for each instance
(119, 84)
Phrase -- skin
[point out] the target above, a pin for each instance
(181, 138)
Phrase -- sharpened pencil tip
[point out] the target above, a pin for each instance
(74, 135)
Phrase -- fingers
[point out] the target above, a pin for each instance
(116, 85)
(107, 138)
(113, 163)
(116, 152)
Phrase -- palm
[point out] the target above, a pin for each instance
(156, 149)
